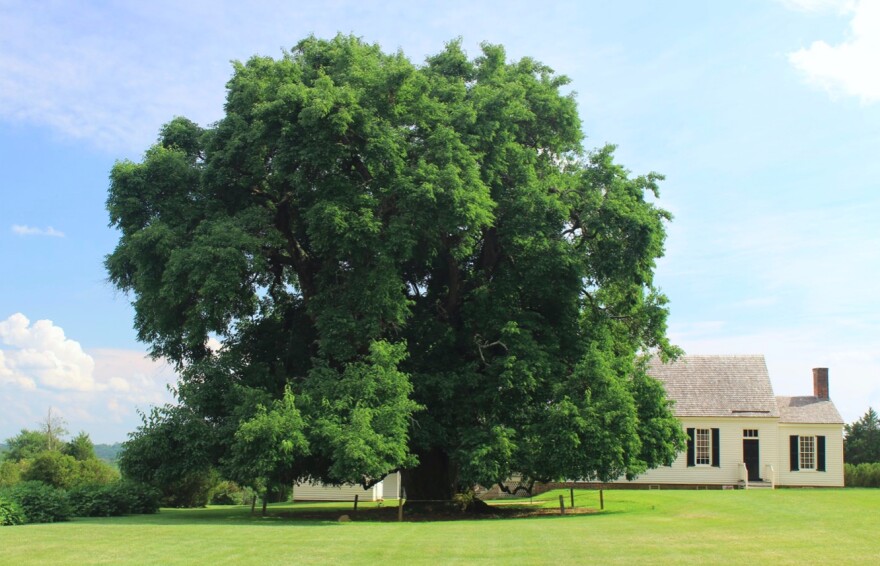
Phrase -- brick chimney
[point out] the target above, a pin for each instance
(820, 383)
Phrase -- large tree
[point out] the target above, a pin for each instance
(862, 442)
(423, 256)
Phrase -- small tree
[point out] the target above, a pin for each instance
(10, 473)
(862, 443)
(26, 445)
(80, 447)
(53, 468)
(54, 427)
(171, 452)
(266, 445)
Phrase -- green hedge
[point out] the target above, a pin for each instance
(862, 475)
(10, 513)
(119, 498)
(39, 502)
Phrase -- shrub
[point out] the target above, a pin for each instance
(94, 472)
(191, 491)
(118, 498)
(64, 471)
(52, 468)
(144, 499)
(862, 475)
(228, 493)
(10, 513)
(41, 503)
(97, 501)
(10, 473)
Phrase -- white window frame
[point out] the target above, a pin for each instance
(703, 447)
(807, 453)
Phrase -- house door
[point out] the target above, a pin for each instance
(751, 458)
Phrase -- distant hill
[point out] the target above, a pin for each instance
(108, 452)
(3, 448)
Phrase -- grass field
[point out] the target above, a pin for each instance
(808, 526)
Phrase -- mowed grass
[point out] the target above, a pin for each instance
(807, 526)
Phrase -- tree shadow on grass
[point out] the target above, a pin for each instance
(292, 514)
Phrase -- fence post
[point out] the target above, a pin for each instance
(561, 505)
(601, 499)
(399, 509)
(355, 503)
(571, 494)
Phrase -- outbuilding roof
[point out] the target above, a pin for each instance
(717, 386)
(808, 409)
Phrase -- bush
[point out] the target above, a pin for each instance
(40, 503)
(119, 498)
(862, 475)
(228, 493)
(144, 499)
(10, 513)
(191, 491)
(97, 501)
(10, 473)
(52, 468)
(64, 471)
(95, 472)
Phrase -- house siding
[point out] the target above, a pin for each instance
(730, 431)
(310, 491)
(389, 488)
(833, 474)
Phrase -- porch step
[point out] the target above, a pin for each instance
(760, 485)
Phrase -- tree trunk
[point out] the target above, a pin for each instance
(431, 485)
(433, 480)
(265, 500)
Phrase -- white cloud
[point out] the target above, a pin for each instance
(9, 376)
(41, 353)
(848, 68)
(108, 75)
(98, 391)
(23, 230)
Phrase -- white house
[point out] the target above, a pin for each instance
(389, 488)
(740, 433)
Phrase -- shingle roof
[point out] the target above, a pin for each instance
(807, 409)
(717, 386)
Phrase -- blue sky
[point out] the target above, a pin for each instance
(764, 115)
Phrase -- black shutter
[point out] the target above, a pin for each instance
(820, 453)
(716, 447)
(690, 433)
(794, 452)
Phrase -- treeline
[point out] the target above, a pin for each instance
(862, 475)
(861, 451)
(45, 478)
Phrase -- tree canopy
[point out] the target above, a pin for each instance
(406, 267)
(42, 455)
(862, 442)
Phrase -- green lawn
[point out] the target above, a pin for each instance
(808, 526)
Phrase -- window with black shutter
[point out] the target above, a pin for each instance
(690, 448)
(716, 447)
